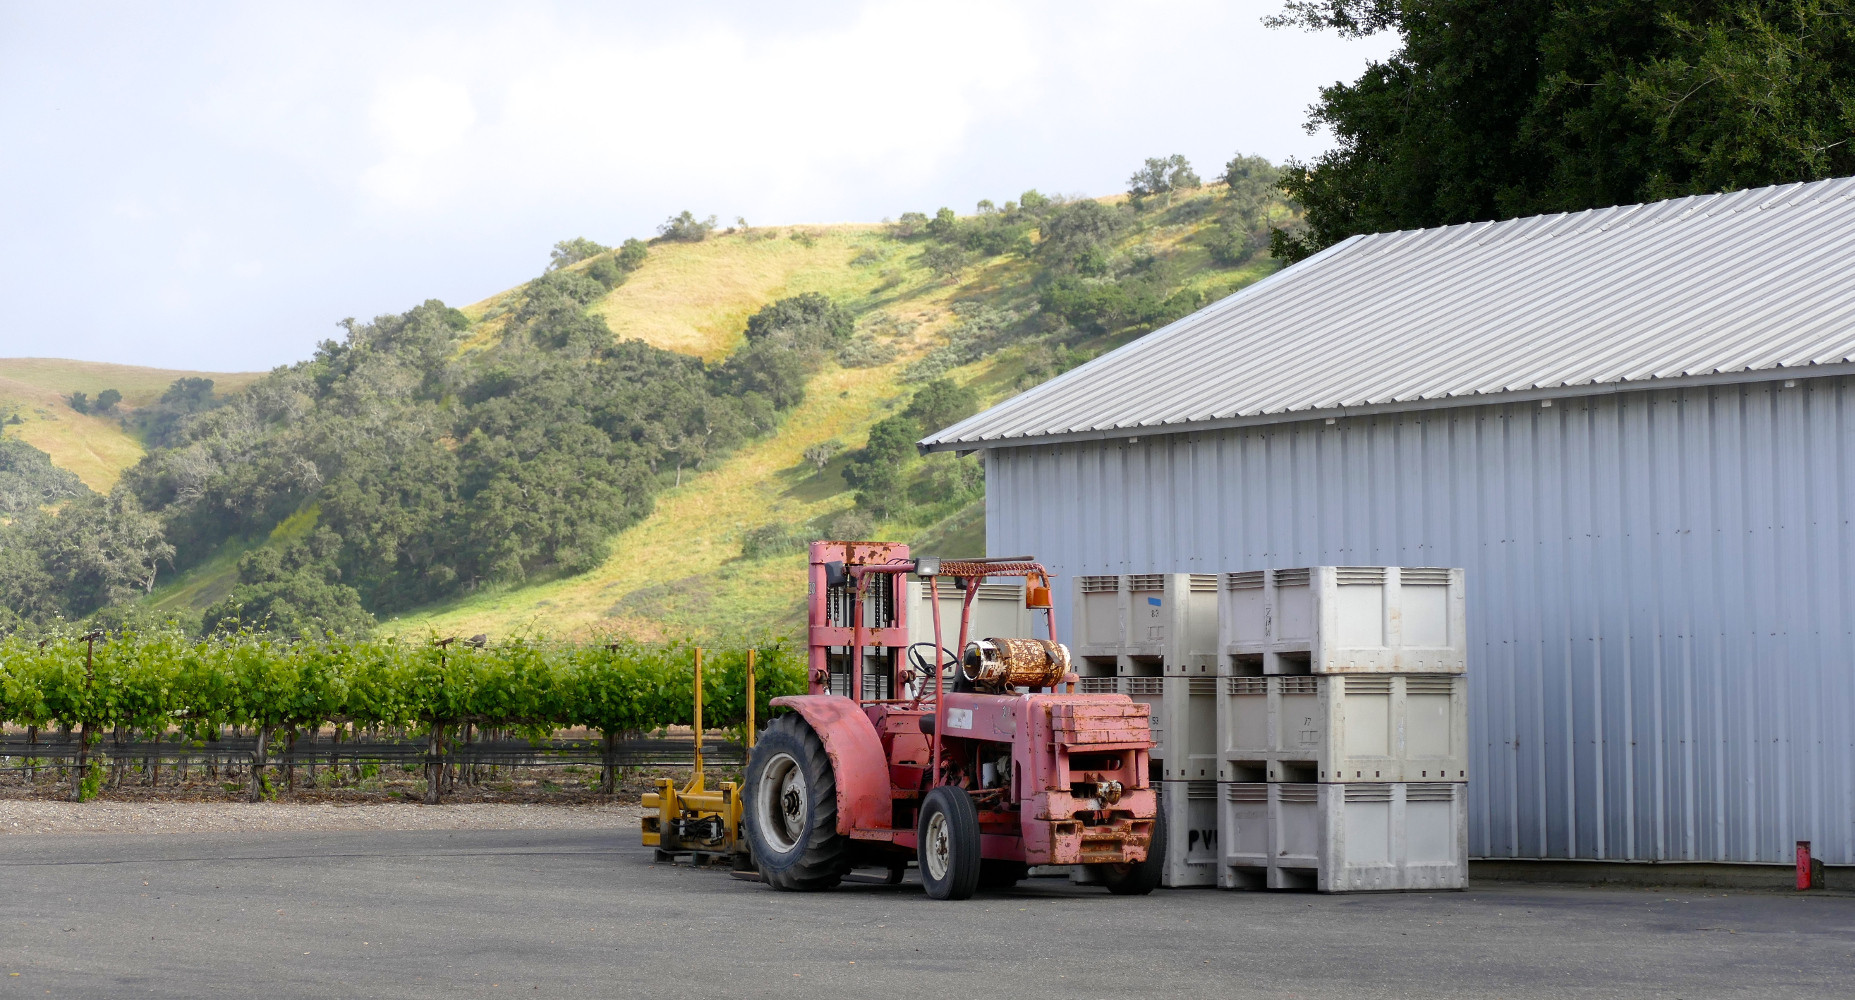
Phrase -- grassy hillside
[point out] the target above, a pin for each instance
(681, 570)
(977, 308)
(95, 447)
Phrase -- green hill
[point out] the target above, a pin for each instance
(971, 308)
(94, 446)
(681, 570)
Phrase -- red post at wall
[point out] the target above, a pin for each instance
(1803, 865)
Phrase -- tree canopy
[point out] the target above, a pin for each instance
(569, 252)
(685, 228)
(29, 480)
(1498, 110)
(1162, 175)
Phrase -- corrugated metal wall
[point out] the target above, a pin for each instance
(1663, 662)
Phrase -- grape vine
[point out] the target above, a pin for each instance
(161, 683)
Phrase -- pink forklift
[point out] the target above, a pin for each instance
(976, 764)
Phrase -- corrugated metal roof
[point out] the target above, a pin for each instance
(1719, 285)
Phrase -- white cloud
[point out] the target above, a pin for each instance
(255, 172)
(894, 93)
(419, 124)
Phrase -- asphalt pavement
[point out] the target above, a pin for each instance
(587, 914)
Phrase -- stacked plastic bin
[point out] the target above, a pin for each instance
(1153, 637)
(998, 613)
(1342, 729)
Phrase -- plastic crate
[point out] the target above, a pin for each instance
(1150, 630)
(1354, 837)
(1343, 620)
(1191, 832)
(1137, 622)
(1190, 722)
(1372, 727)
(998, 613)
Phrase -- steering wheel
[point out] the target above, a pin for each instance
(924, 668)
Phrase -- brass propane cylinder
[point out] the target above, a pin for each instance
(1007, 663)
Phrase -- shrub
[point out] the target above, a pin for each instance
(807, 320)
(772, 370)
(865, 352)
(29, 480)
(852, 526)
(942, 403)
(612, 270)
(291, 590)
(945, 479)
(946, 260)
(631, 254)
(1230, 246)
(944, 226)
(685, 228)
(1095, 306)
(1076, 235)
(820, 454)
(606, 271)
(776, 539)
(909, 225)
(1162, 176)
(569, 252)
(981, 331)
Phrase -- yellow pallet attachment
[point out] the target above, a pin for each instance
(704, 824)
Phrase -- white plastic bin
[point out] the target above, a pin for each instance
(1338, 728)
(998, 613)
(1343, 619)
(1354, 837)
(1144, 635)
(1167, 619)
(1191, 832)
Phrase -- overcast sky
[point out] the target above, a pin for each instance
(213, 186)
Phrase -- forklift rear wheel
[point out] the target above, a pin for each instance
(1139, 877)
(948, 836)
(791, 812)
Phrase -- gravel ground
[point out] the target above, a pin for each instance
(32, 816)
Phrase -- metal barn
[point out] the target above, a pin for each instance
(1635, 427)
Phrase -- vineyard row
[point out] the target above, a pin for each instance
(168, 689)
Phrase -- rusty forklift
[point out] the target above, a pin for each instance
(977, 761)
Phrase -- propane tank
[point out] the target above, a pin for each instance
(999, 664)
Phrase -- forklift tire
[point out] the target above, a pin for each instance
(996, 874)
(791, 809)
(1140, 877)
(948, 839)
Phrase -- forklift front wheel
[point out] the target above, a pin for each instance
(948, 836)
(1140, 877)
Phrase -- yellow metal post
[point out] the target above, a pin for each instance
(695, 782)
(675, 810)
(750, 699)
